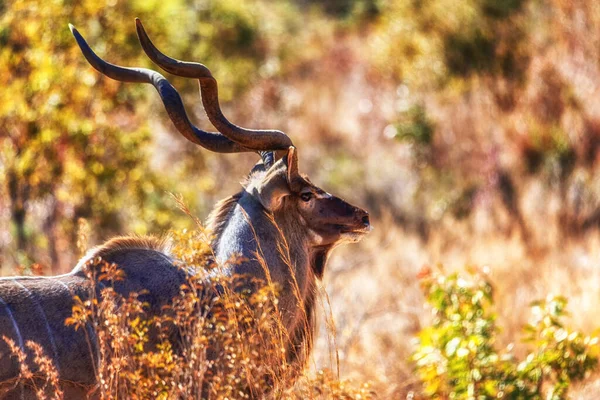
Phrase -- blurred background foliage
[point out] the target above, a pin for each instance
(469, 129)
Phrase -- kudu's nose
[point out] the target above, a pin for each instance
(363, 216)
(365, 220)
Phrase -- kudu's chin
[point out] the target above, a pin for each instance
(354, 233)
(354, 236)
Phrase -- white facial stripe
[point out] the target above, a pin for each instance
(323, 195)
(41, 310)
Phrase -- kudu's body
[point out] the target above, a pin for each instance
(281, 225)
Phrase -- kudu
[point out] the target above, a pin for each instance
(276, 203)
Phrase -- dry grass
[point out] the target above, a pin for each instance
(44, 382)
(379, 309)
(220, 338)
(337, 112)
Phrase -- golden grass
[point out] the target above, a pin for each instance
(379, 307)
(220, 338)
(375, 299)
(44, 382)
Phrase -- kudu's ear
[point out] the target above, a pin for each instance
(279, 181)
(293, 176)
(292, 163)
(271, 190)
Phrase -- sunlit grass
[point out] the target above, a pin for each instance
(221, 337)
(337, 98)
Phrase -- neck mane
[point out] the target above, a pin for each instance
(219, 216)
(241, 225)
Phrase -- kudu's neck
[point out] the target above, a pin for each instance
(272, 247)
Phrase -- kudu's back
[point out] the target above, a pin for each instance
(36, 308)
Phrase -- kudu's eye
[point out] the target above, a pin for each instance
(306, 196)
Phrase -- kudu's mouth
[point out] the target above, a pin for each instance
(361, 227)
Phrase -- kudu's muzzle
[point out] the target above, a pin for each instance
(348, 217)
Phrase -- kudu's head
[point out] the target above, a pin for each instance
(324, 220)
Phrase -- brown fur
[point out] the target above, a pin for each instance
(218, 217)
(118, 243)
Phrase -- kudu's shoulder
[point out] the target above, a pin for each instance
(120, 243)
(130, 250)
(147, 266)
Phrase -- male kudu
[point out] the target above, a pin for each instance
(276, 204)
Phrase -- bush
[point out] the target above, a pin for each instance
(222, 337)
(457, 358)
